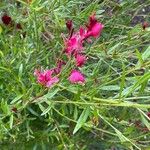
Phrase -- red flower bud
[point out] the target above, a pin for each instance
(145, 25)
(69, 24)
(6, 19)
(14, 109)
(18, 26)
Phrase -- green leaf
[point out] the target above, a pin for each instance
(100, 12)
(20, 70)
(46, 110)
(145, 119)
(110, 88)
(75, 113)
(16, 99)
(112, 49)
(11, 121)
(51, 93)
(41, 107)
(139, 58)
(1, 54)
(147, 124)
(119, 134)
(5, 107)
(146, 54)
(33, 112)
(141, 80)
(5, 69)
(82, 119)
(136, 30)
(1, 30)
(122, 84)
(148, 29)
(143, 86)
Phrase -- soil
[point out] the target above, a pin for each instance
(141, 15)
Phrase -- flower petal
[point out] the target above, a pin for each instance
(76, 77)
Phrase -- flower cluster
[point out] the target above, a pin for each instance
(74, 49)
(45, 77)
(7, 20)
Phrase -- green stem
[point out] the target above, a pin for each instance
(104, 102)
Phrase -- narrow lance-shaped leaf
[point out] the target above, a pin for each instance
(119, 134)
(11, 121)
(144, 78)
(122, 84)
(146, 54)
(16, 98)
(140, 62)
(82, 119)
(145, 119)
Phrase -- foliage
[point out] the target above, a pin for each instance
(109, 111)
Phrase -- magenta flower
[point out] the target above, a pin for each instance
(73, 44)
(6, 19)
(45, 78)
(82, 32)
(80, 60)
(76, 77)
(94, 28)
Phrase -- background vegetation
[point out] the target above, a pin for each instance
(110, 111)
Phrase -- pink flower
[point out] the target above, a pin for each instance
(82, 32)
(45, 78)
(76, 77)
(52, 81)
(73, 44)
(80, 60)
(94, 28)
